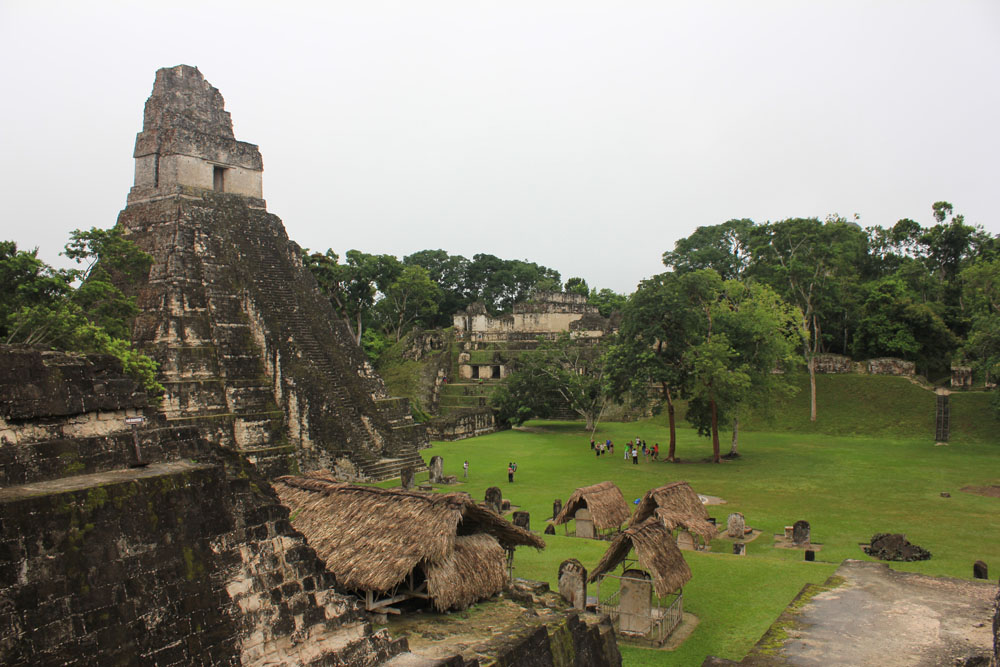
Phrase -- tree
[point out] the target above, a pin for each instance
(725, 248)
(607, 301)
(412, 297)
(500, 283)
(577, 286)
(981, 285)
(40, 307)
(566, 371)
(747, 332)
(27, 282)
(448, 271)
(658, 326)
(895, 324)
(808, 262)
(765, 332)
(353, 287)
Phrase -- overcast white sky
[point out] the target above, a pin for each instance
(585, 136)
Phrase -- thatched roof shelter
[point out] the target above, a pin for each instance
(656, 552)
(373, 539)
(606, 504)
(676, 505)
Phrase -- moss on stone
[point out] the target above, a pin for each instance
(193, 567)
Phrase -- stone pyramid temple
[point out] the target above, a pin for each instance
(249, 350)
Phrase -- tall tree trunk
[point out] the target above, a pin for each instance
(736, 436)
(715, 433)
(357, 333)
(673, 425)
(812, 388)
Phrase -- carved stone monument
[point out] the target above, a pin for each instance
(494, 498)
(573, 583)
(735, 525)
(522, 519)
(800, 532)
(584, 523)
(436, 470)
(406, 477)
(635, 608)
(550, 529)
(685, 541)
(556, 507)
(980, 570)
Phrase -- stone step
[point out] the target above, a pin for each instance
(91, 480)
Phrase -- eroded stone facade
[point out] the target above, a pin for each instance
(190, 559)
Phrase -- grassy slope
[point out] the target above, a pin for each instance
(847, 487)
(870, 405)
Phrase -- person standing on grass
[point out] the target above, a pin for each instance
(656, 451)
(510, 473)
(592, 444)
(635, 455)
(466, 467)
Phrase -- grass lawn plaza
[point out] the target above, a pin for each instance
(847, 487)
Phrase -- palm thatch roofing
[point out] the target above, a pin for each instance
(676, 505)
(372, 538)
(656, 551)
(606, 504)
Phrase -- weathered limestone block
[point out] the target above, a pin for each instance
(494, 498)
(463, 423)
(800, 532)
(436, 470)
(833, 363)
(735, 525)
(573, 583)
(406, 477)
(891, 366)
(584, 524)
(635, 602)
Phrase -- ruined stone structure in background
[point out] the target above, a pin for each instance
(547, 315)
(190, 559)
(249, 350)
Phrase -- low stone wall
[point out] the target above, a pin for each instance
(838, 363)
(891, 366)
(462, 424)
(835, 363)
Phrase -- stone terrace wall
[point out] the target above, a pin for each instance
(189, 560)
(462, 423)
(249, 350)
(837, 363)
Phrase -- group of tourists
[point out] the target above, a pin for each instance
(632, 450)
(602, 448)
(511, 469)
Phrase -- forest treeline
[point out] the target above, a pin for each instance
(742, 299)
(738, 296)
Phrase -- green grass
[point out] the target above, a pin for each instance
(869, 405)
(847, 487)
